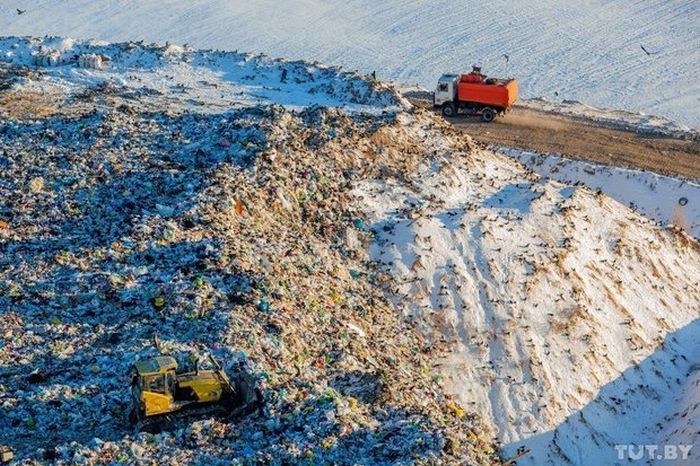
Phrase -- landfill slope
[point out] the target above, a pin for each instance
(683, 427)
(664, 199)
(163, 194)
(568, 314)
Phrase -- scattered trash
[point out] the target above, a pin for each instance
(6, 454)
(38, 377)
(165, 211)
(359, 224)
(47, 58)
(263, 305)
(36, 184)
(521, 454)
(138, 230)
(90, 60)
(159, 302)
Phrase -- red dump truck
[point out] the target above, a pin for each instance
(475, 94)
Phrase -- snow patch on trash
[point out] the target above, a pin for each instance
(197, 79)
(568, 314)
(660, 198)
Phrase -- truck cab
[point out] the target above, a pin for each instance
(446, 90)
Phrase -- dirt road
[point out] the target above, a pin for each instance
(550, 133)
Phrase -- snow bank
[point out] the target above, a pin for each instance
(619, 119)
(661, 198)
(558, 302)
(683, 425)
(193, 78)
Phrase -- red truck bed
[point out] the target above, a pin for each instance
(502, 93)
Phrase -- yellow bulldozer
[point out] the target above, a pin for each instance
(159, 391)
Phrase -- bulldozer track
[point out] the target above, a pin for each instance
(175, 419)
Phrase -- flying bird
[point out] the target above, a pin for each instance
(648, 52)
(21, 12)
(505, 55)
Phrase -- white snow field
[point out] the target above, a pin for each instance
(588, 51)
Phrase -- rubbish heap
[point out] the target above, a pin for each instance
(233, 232)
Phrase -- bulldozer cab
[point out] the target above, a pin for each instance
(153, 385)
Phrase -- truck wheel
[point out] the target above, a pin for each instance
(488, 115)
(448, 109)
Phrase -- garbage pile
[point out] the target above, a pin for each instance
(235, 233)
(160, 76)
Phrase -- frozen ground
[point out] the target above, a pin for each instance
(588, 51)
(569, 314)
(660, 198)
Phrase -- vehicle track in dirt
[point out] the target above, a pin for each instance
(545, 132)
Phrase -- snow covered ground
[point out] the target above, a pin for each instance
(208, 81)
(660, 198)
(588, 51)
(569, 315)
